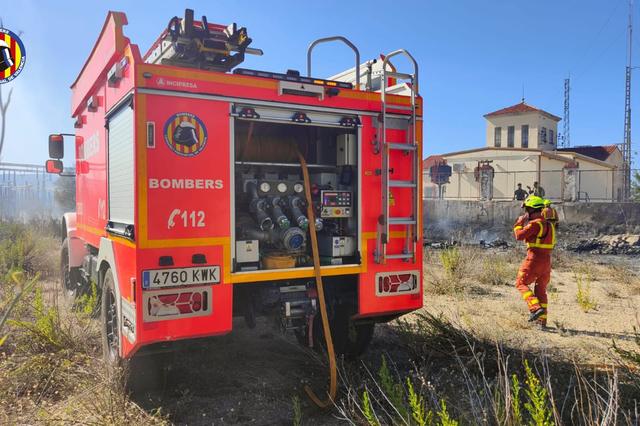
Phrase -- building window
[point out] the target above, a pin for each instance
(552, 139)
(511, 135)
(497, 136)
(525, 136)
(543, 135)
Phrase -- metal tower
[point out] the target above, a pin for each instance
(566, 135)
(626, 145)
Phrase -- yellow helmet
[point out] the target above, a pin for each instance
(534, 202)
(546, 202)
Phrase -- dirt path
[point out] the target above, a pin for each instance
(583, 332)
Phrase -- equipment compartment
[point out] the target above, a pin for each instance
(270, 200)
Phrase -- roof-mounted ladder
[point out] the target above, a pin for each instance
(409, 147)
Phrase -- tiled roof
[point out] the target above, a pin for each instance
(520, 108)
(598, 152)
(431, 160)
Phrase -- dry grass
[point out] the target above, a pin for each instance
(50, 365)
(31, 248)
(453, 272)
(458, 270)
(458, 379)
(627, 281)
(498, 269)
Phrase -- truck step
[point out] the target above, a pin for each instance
(402, 146)
(400, 256)
(402, 221)
(402, 184)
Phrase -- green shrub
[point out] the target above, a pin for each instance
(583, 295)
(537, 405)
(23, 248)
(392, 390)
(87, 303)
(443, 415)
(515, 400)
(297, 411)
(451, 261)
(419, 414)
(367, 410)
(46, 329)
(19, 288)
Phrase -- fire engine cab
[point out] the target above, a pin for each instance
(199, 185)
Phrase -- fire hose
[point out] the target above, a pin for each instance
(333, 373)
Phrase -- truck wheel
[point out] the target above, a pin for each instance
(110, 321)
(350, 338)
(69, 277)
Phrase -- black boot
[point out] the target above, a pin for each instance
(536, 314)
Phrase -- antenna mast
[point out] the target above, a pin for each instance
(626, 145)
(566, 136)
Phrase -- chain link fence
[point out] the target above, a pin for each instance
(26, 191)
(559, 185)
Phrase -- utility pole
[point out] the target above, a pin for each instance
(566, 136)
(626, 145)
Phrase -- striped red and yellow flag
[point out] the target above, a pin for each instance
(16, 54)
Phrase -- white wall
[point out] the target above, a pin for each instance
(597, 182)
(534, 120)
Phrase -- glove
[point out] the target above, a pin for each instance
(521, 220)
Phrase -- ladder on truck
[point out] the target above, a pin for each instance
(409, 147)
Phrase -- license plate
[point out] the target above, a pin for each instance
(174, 277)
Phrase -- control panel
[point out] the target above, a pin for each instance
(336, 204)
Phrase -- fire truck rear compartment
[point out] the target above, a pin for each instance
(271, 227)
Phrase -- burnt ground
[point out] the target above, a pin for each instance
(251, 377)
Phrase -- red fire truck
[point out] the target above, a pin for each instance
(191, 202)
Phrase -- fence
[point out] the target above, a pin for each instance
(559, 185)
(26, 191)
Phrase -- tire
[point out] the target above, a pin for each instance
(109, 320)
(350, 338)
(69, 277)
(138, 374)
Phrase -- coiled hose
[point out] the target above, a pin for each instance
(333, 373)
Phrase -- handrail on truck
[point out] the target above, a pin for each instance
(345, 41)
(411, 58)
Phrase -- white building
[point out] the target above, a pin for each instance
(521, 147)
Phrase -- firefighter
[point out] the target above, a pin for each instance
(540, 236)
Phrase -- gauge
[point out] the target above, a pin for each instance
(298, 187)
(282, 187)
(265, 187)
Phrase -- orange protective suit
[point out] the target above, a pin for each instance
(540, 237)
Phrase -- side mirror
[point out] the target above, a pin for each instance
(56, 146)
(54, 166)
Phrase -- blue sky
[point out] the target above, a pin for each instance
(475, 56)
